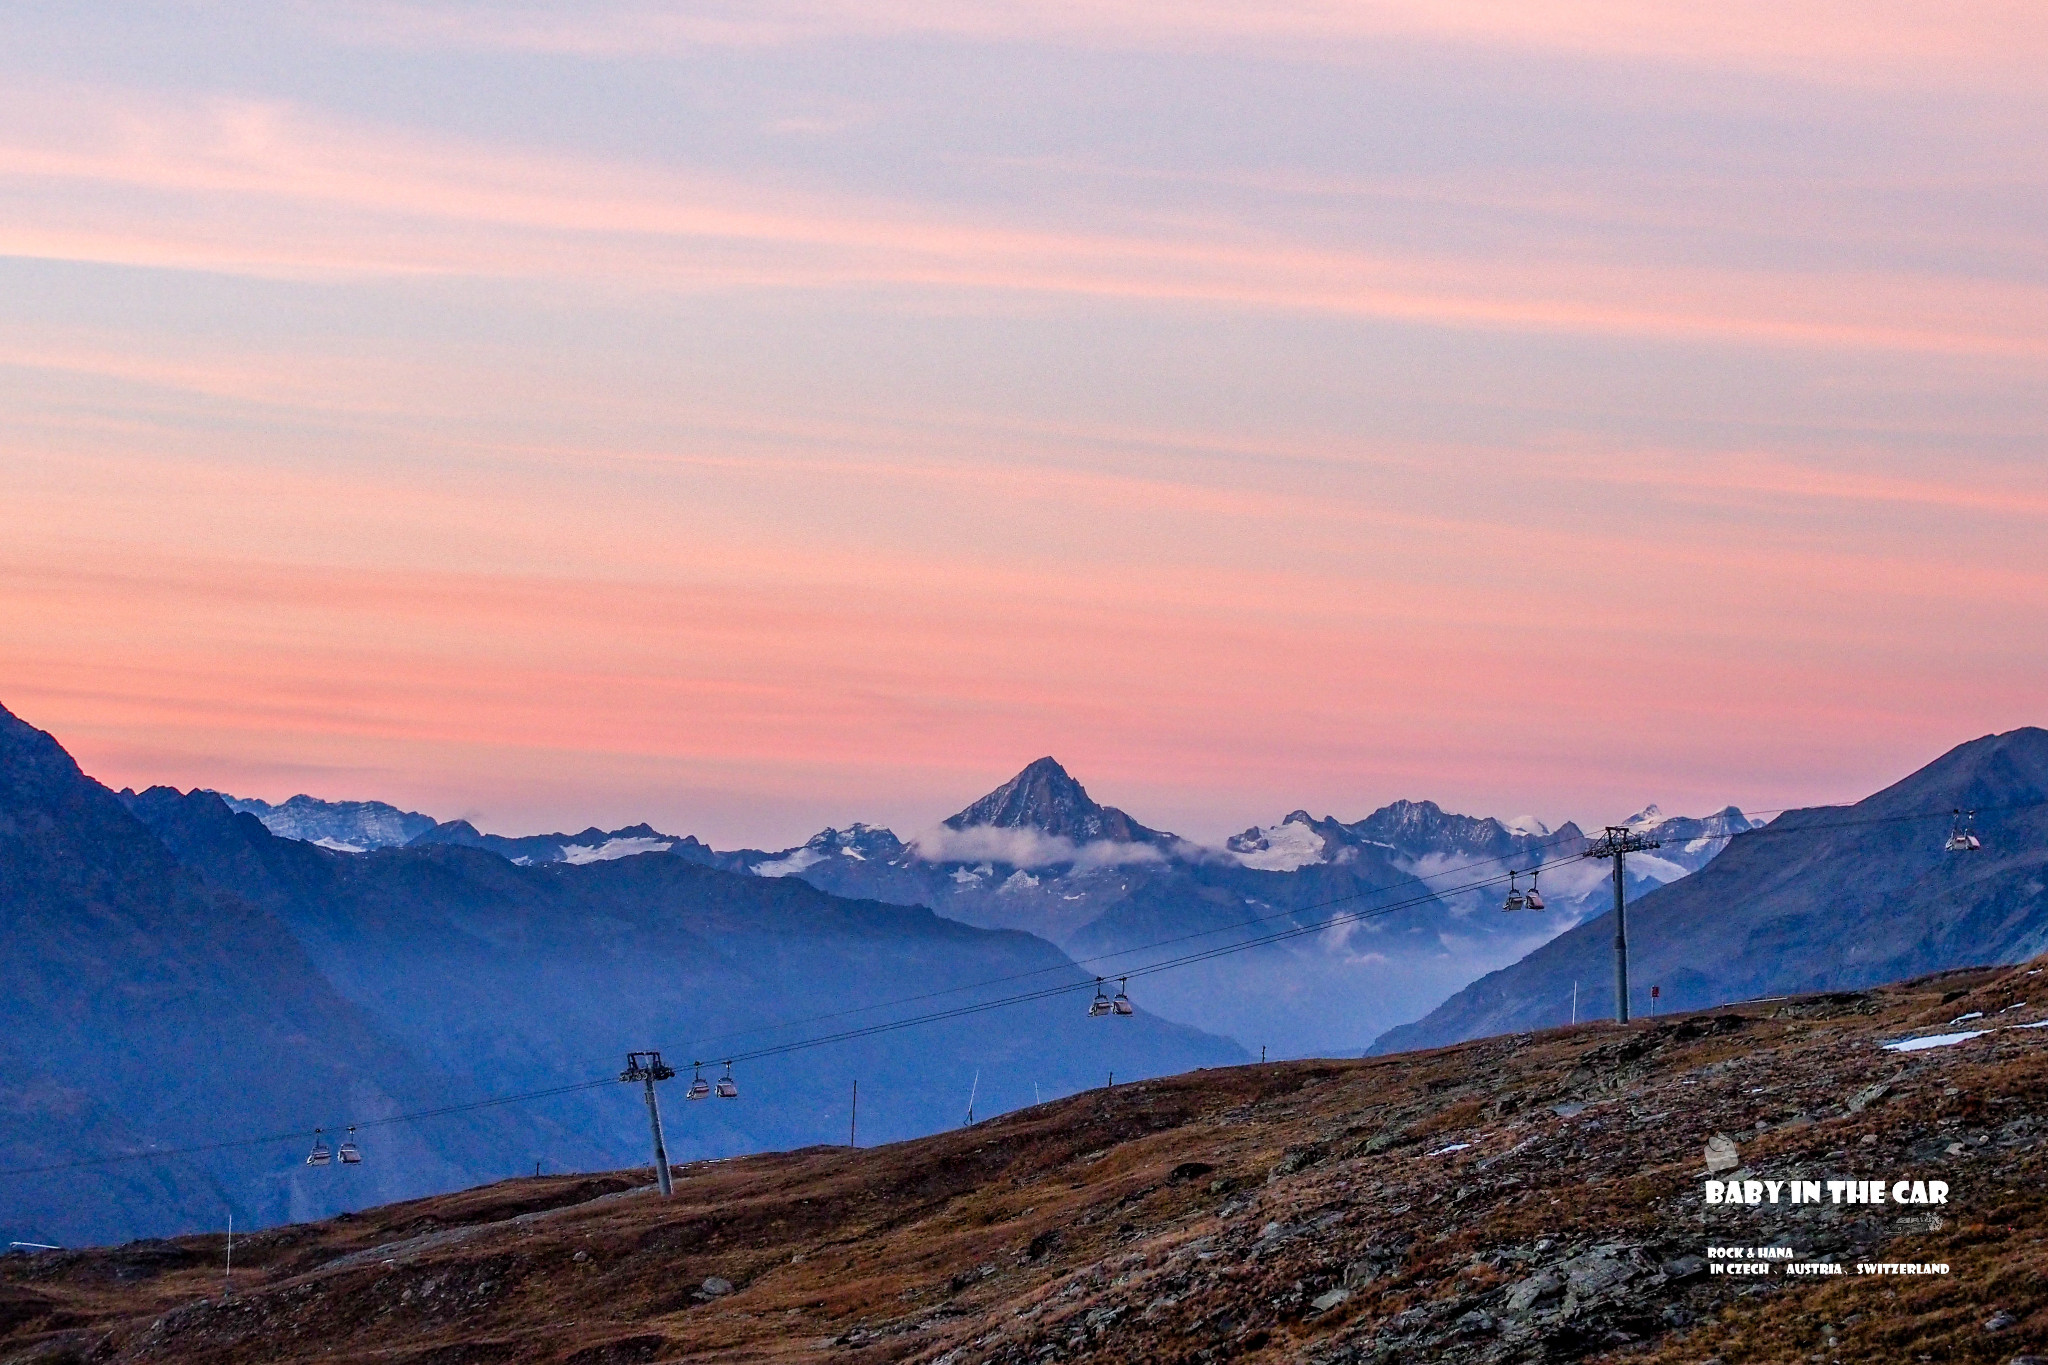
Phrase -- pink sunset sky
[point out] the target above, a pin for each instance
(747, 417)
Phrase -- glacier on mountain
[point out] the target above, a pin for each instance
(580, 854)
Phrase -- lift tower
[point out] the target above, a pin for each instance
(1618, 842)
(647, 1068)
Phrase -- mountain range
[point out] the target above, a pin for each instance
(181, 977)
(1039, 854)
(188, 983)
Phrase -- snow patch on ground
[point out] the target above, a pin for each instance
(1524, 824)
(338, 846)
(1935, 1040)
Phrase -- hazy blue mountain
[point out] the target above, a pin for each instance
(1039, 854)
(512, 977)
(1829, 898)
(179, 975)
(147, 1010)
(346, 826)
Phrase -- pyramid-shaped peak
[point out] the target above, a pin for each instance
(1045, 797)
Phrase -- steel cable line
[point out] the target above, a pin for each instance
(573, 1087)
(1149, 969)
(1049, 992)
(299, 1134)
(1146, 947)
(1299, 931)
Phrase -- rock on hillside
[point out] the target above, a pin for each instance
(1825, 899)
(1529, 1199)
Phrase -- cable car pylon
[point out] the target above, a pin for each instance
(1618, 842)
(647, 1068)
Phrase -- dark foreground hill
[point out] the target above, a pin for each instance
(1831, 898)
(1528, 1198)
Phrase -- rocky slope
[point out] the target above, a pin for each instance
(1530, 1198)
(1828, 898)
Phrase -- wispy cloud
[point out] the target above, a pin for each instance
(1027, 848)
(272, 190)
(1818, 39)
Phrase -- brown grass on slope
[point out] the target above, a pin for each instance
(1525, 1198)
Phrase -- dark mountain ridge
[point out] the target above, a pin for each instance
(147, 1008)
(1828, 898)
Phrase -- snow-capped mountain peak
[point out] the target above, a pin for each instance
(1292, 844)
(857, 842)
(1046, 798)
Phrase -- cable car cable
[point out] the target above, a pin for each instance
(1150, 969)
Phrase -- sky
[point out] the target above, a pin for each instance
(748, 417)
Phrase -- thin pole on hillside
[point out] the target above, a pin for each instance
(228, 1287)
(1575, 1000)
(1618, 843)
(853, 1118)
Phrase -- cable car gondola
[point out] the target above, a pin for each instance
(1533, 898)
(1100, 1005)
(350, 1154)
(699, 1087)
(1962, 834)
(1122, 1003)
(1516, 900)
(728, 1088)
(320, 1155)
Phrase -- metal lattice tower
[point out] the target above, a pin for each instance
(1617, 843)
